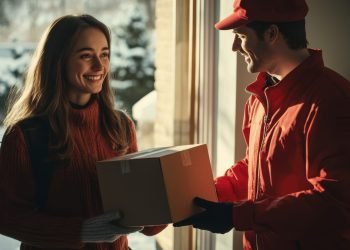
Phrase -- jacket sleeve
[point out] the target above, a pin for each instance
(324, 208)
(233, 185)
(19, 219)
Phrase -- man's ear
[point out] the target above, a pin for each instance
(272, 34)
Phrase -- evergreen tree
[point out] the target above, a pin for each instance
(132, 64)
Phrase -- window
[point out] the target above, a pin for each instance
(132, 60)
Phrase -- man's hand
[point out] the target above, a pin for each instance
(103, 228)
(217, 218)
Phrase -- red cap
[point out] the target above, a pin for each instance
(245, 11)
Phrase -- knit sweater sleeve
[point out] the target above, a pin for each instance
(133, 140)
(19, 219)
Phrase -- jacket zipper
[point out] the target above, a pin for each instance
(265, 127)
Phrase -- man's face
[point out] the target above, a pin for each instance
(255, 50)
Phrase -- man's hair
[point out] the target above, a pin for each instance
(293, 32)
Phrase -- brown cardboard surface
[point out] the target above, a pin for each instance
(156, 186)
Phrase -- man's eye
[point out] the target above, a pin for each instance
(240, 37)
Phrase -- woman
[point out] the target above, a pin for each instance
(66, 89)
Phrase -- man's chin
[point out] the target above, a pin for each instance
(251, 69)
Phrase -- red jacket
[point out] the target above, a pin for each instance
(292, 189)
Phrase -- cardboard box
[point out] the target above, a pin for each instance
(156, 186)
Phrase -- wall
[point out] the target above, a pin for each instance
(164, 75)
(327, 27)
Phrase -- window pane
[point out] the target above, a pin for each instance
(132, 60)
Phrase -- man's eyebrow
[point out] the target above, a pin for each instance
(238, 31)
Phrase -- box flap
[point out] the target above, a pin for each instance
(152, 153)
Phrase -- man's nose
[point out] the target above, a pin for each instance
(236, 44)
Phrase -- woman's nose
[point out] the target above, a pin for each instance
(97, 63)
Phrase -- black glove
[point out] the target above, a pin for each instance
(217, 218)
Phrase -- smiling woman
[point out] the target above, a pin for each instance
(66, 113)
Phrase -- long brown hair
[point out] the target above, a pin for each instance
(45, 90)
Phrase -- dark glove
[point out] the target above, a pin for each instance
(217, 218)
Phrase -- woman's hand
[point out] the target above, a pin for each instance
(104, 228)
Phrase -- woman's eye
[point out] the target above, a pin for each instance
(85, 56)
(105, 55)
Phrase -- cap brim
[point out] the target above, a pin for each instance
(231, 22)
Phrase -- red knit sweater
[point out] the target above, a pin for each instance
(73, 195)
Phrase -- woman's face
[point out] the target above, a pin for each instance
(87, 66)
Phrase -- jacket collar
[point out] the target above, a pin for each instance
(296, 78)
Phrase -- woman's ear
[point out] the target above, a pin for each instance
(272, 34)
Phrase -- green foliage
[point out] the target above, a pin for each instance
(132, 57)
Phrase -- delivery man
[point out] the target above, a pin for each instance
(292, 188)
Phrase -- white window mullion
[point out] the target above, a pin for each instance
(206, 93)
